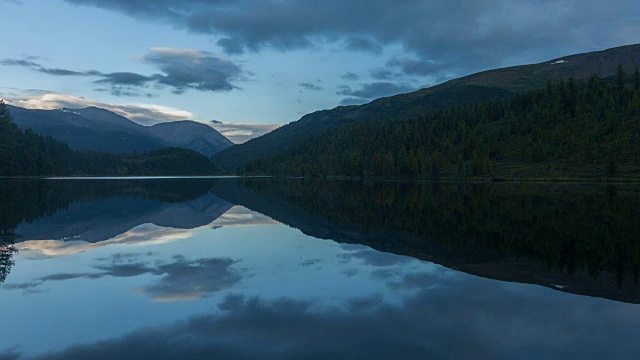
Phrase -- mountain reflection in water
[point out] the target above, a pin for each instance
(203, 267)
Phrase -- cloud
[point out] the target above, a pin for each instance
(415, 66)
(19, 62)
(124, 78)
(310, 86)
(146, 114)
(349, 76)
(180, 70)
(457, 36)
(353, 101)
(383, 74)
(363, 44)
(230, 46)
(239, 133)
(14, 353)
(49, 71)
(371, 91)
(184, 69)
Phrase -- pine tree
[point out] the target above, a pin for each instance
(8, 134)
(620, 80)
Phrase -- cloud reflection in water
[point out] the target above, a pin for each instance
(460, 323)
(179, 280)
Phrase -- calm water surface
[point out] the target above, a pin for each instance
(266, 268)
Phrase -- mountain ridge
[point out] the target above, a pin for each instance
(99, 129)
(485, 85)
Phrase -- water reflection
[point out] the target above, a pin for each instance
(7, 249)
(426, 326)
(202, 269)
(577, 238)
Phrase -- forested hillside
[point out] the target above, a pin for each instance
(487, 85)
(586, 129)
(25, 153)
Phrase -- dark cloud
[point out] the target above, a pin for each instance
(365, 303)
(19, 62)
(231, 47)
(310, 262)
(349, 76)
(190, 69)
(363, 44)
(62, 72)
(353, 101)
(383, 74)
(126, 91)
(458, 36)
(28, 63)
(124, 78)
(62, 277)
(180, 70)
(415, 66)
(126, 84)
(371, 91)
(310, 86)
(22, 286)
(11, 354)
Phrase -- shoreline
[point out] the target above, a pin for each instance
(356, 178)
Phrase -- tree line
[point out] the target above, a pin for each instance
(589, 128)
(25, 153)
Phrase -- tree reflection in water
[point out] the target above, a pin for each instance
(7, 239)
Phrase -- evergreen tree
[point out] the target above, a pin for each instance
(7, 141)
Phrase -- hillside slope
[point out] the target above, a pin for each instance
(492, 84)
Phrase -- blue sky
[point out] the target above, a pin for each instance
(270, 62)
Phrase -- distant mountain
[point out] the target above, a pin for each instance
(98, 129)
(87, 133)
(191, 135)
(498, 83)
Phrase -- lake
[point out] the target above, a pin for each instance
(306, 268)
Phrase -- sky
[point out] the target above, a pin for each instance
(257, 64)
